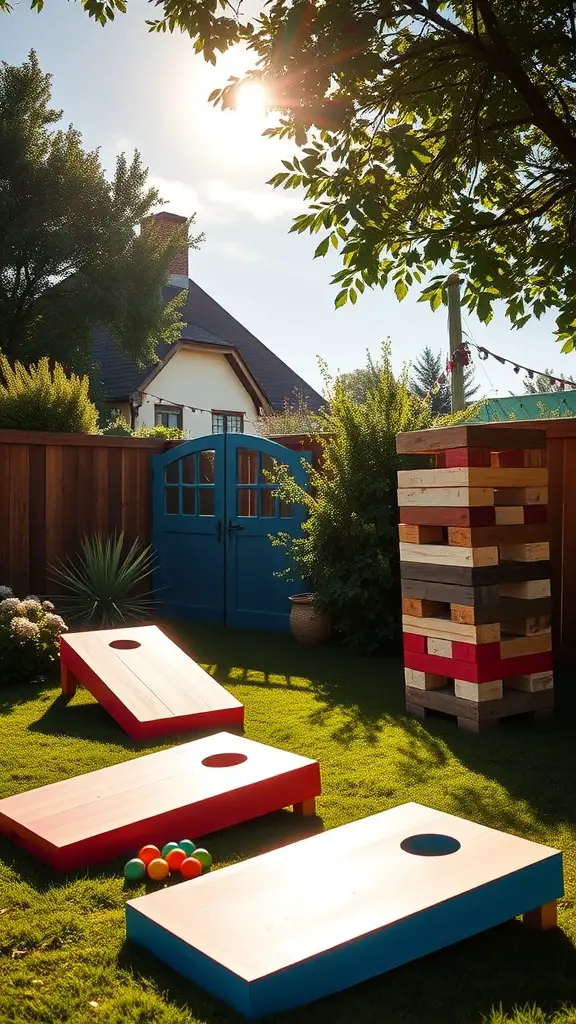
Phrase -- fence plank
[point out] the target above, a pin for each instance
(19, 505)
(37, 518)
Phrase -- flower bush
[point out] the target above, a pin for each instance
(29, 636)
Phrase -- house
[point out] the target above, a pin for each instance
(217, 379)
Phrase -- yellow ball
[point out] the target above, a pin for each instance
(158, 869)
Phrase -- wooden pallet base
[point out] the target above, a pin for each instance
(477, 716)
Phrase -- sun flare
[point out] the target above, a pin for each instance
(252, 102)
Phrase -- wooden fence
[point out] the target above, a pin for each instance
(54, 488)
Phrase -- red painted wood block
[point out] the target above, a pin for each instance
(185, 791)
(472, 672)
(414, 642)
(461, 457)
(146, 683)
(481, 654)
(514, 459)
(425, 515)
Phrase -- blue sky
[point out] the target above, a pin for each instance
(125, 88)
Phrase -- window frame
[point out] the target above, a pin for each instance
(226, 414)
(170, 409)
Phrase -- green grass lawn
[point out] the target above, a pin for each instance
(62, 947)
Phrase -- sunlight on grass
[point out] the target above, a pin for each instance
(62, 939)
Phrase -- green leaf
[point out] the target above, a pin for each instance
(436, 299)
(322, 249)
(341, 299)
(401, 290)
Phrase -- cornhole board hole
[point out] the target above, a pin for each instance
(328, 912)
(146, 683)
(186, 791)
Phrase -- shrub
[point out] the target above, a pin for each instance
(348, 550)
(29, 634)
(39, 398)
(102, 584)
(168, 433)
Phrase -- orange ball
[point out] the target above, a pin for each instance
(175, 859)
(148, 853)
(191, 868)
(158, 869)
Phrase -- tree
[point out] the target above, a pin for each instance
(432, 134)
(70, 257)
(41, 397)
(540, 384)
(428, 368)
(359, 383)
(347, 552)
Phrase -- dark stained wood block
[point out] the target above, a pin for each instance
(468, 436)
(432, 590)
(476, 576)
(479, 712)
(425, 515)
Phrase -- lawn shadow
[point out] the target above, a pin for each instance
(18, 694)
(531, 760)
(507, 966)
(364, 692)
(85, 721)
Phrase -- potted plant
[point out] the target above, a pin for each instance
(309, 625)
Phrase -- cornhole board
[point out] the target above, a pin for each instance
(186, 791)
(328, 912)
(146, 683)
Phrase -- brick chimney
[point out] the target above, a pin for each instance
(165, 223)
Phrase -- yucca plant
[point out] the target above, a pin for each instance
(101, 586)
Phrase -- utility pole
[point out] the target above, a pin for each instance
(455, 336)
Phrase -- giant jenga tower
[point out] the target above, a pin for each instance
(475, 568)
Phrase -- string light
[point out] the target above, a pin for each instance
(190, 408)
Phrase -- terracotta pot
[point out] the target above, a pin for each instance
(308, 625)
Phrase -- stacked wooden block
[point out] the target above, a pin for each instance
(475, 568)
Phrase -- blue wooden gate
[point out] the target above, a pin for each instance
(214, 509)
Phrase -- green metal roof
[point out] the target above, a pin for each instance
(555, 405)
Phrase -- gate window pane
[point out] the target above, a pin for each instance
(247, 466)
(189, 469)
(268, 467)
(171, 473)
(171, 500)
(206, 501)
(188, 501)
(268, 503)
(247, 502)
(285, 510)
(206, 474)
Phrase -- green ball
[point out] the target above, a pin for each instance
(205, 859)
(167, 848)
(188, 846)
(134, 870)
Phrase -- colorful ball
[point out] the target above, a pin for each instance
(167, 847)
(158, 869)
(191, 868)
(148, 853)
(134, 870)
(205, 859)
(174, 859)
(188, 846)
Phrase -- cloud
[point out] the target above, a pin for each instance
(233, 250)
(181, 198)
(263, 206)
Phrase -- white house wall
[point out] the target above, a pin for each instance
(201, 379)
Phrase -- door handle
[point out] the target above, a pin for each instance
(233, 527)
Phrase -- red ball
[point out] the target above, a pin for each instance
(149, 853)
(175, 859)
(191, 868)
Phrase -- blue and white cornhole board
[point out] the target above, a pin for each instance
(328, 912)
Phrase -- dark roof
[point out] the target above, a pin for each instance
(206, 322)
